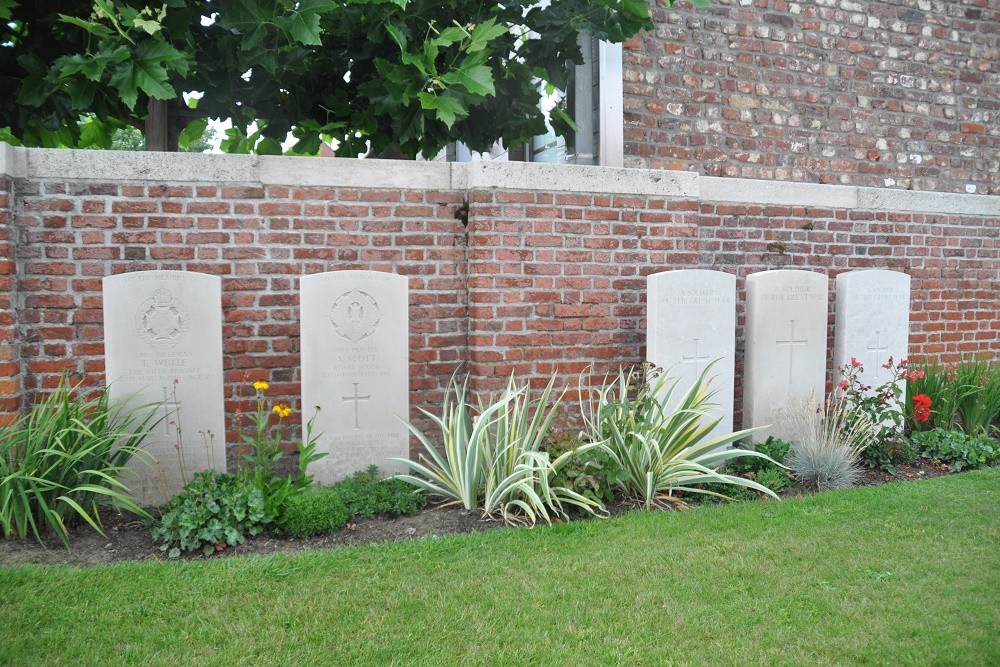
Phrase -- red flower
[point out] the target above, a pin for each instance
(856, 363)
(922, 407)
(843, 385)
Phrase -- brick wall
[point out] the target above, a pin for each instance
(549, 275)
(901, 94)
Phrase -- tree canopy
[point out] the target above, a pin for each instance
(362, 73)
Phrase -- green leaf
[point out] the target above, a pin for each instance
(91, 27)
(193, 132)
(149, 27)
(447, 109)
(451, 35)
(477, 80)
(305, 29)
(268, 146)
(398, 35)
(122, 80)
(484, 33)
(638, 8)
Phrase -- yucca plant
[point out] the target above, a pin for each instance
(978, 395)
(826, 442)
(493, 455)
(662, 450)
(63, 460)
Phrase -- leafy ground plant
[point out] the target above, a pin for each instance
(592, 473)
(366, 493)
(491, 456)
(214, 510)
(316, 511)
(958, 450)
(826, 443)
(661, 451)
(63, 460)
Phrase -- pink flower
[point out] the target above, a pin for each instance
(856, 363)
(843, 385)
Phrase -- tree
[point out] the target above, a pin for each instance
(363, 73)
(131, 139)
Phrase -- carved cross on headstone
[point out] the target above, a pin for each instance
(356, 399)
(696, 359)
(878, 349)
(170, 401)
(791, 343)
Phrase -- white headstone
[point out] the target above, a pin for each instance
(690, 322)
(355, 368)
(872, 321)
(163, 344)
(786, 335)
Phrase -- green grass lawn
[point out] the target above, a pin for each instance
(897, 574)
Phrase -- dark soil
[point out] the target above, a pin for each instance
(128, 540)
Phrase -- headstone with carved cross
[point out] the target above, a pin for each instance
(872, 321)
(163, 347)
(786, 334)
(691, 322)
(355, 369)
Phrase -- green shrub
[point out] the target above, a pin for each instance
(366, 494)
(591, 473)
(316, 511)
(660, 451)
(956, 449)
(64, 459)
(213, 511)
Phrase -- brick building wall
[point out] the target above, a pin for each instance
(548, 275)
(900, 94)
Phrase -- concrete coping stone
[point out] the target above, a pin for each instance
(95, 165)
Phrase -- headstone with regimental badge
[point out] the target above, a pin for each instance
(691, 322)
(786, 334)
(355, 369)
(163, 346)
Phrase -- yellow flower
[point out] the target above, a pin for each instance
(260, 385)
(282, 410)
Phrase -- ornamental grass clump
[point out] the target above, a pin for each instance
(492, 456)
(63, 460)
(660, 450)
(826, 442)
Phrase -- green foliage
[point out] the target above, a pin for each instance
(63, 461)
(213, 511)
(956, 449)
(978, 394)
(365, 72)
(366, 494)
(493, 454)
(592, 473)
(315, 511)
(660, 451)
